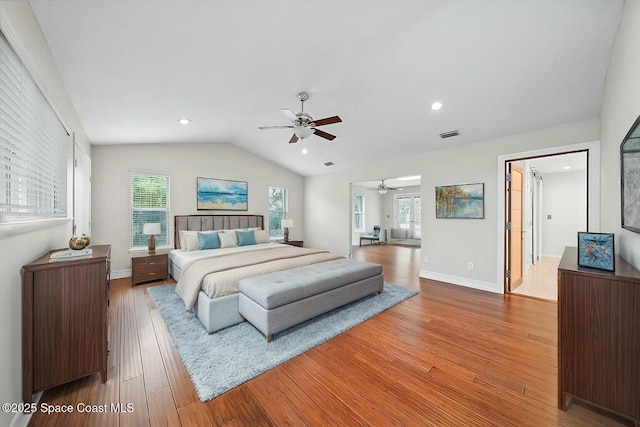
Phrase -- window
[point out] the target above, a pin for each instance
(278, 205)
(408, 213)
(358, 213)
(34, 146)
(149, 203)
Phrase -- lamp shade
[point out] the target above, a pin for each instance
(151, 228)
(287, 223)
(303, 132)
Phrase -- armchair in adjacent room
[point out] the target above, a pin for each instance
(373, 238)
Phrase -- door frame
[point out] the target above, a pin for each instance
(593, 194)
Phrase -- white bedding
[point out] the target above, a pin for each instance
(218, 272)
(182, 259)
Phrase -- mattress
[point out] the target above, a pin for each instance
(218, 272)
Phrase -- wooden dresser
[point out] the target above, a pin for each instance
(599, 336)
(64, 320)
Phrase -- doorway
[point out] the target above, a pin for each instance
(394, 204)
(546, 204)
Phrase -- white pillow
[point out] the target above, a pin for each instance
(189, 239)
(228, 239)
(186, 240)
(262, 236)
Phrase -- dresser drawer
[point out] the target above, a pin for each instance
(149, 268)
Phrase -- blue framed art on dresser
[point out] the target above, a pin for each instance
(596, 250)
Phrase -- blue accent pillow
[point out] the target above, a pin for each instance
(245, 238)
(209, 240)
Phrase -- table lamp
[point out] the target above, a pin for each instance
(152, 229)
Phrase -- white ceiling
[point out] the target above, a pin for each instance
(500, 67)
(560, 163)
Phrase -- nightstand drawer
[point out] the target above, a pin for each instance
(149, 268)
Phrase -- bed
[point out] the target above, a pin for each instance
(208, 279)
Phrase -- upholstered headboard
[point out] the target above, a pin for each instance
(214, 222)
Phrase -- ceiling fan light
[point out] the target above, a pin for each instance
(383, 190)
(303, 132)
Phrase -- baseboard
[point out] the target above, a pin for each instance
(551, 256)
(22, 420)
(462, 281)
(120, 274)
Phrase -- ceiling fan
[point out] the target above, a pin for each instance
(303, 124)
(383, 188)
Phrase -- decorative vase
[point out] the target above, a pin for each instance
(79, 242)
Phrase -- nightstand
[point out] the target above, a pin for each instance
(298, 243)
(149, 268)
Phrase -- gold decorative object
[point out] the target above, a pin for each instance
(79, 242)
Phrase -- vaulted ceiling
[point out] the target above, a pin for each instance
(499, 67)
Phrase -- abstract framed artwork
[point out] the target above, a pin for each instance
(465, 201)
(596, 250)
(630, 178)
(222, 194)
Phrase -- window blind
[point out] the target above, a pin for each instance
(34, 146)
(150, 203)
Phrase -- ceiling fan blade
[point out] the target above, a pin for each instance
(275, 127)
(327, 121)
(293, 139)
(324, 135)
(290, 114)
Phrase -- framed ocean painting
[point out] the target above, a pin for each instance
(596, 250)
(460, 201)
(222, 194)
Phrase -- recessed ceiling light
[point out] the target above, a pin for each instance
(305, 151)
(184, 121)
(436, 106)
(566, 167)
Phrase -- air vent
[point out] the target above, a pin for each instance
(450, 134)
(328, 164)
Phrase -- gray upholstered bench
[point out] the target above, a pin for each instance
(276, 301)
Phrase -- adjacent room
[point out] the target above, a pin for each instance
(416, 213)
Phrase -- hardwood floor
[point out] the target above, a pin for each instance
(449, 356)
(542, 280)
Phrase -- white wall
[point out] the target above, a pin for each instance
(448, 243)
(620, 108)
(564, 199)
(21, 244)
(184, 163)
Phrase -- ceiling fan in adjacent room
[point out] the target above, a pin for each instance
(383, 188)
(303, 124)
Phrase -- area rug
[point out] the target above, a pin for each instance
(228, 358)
